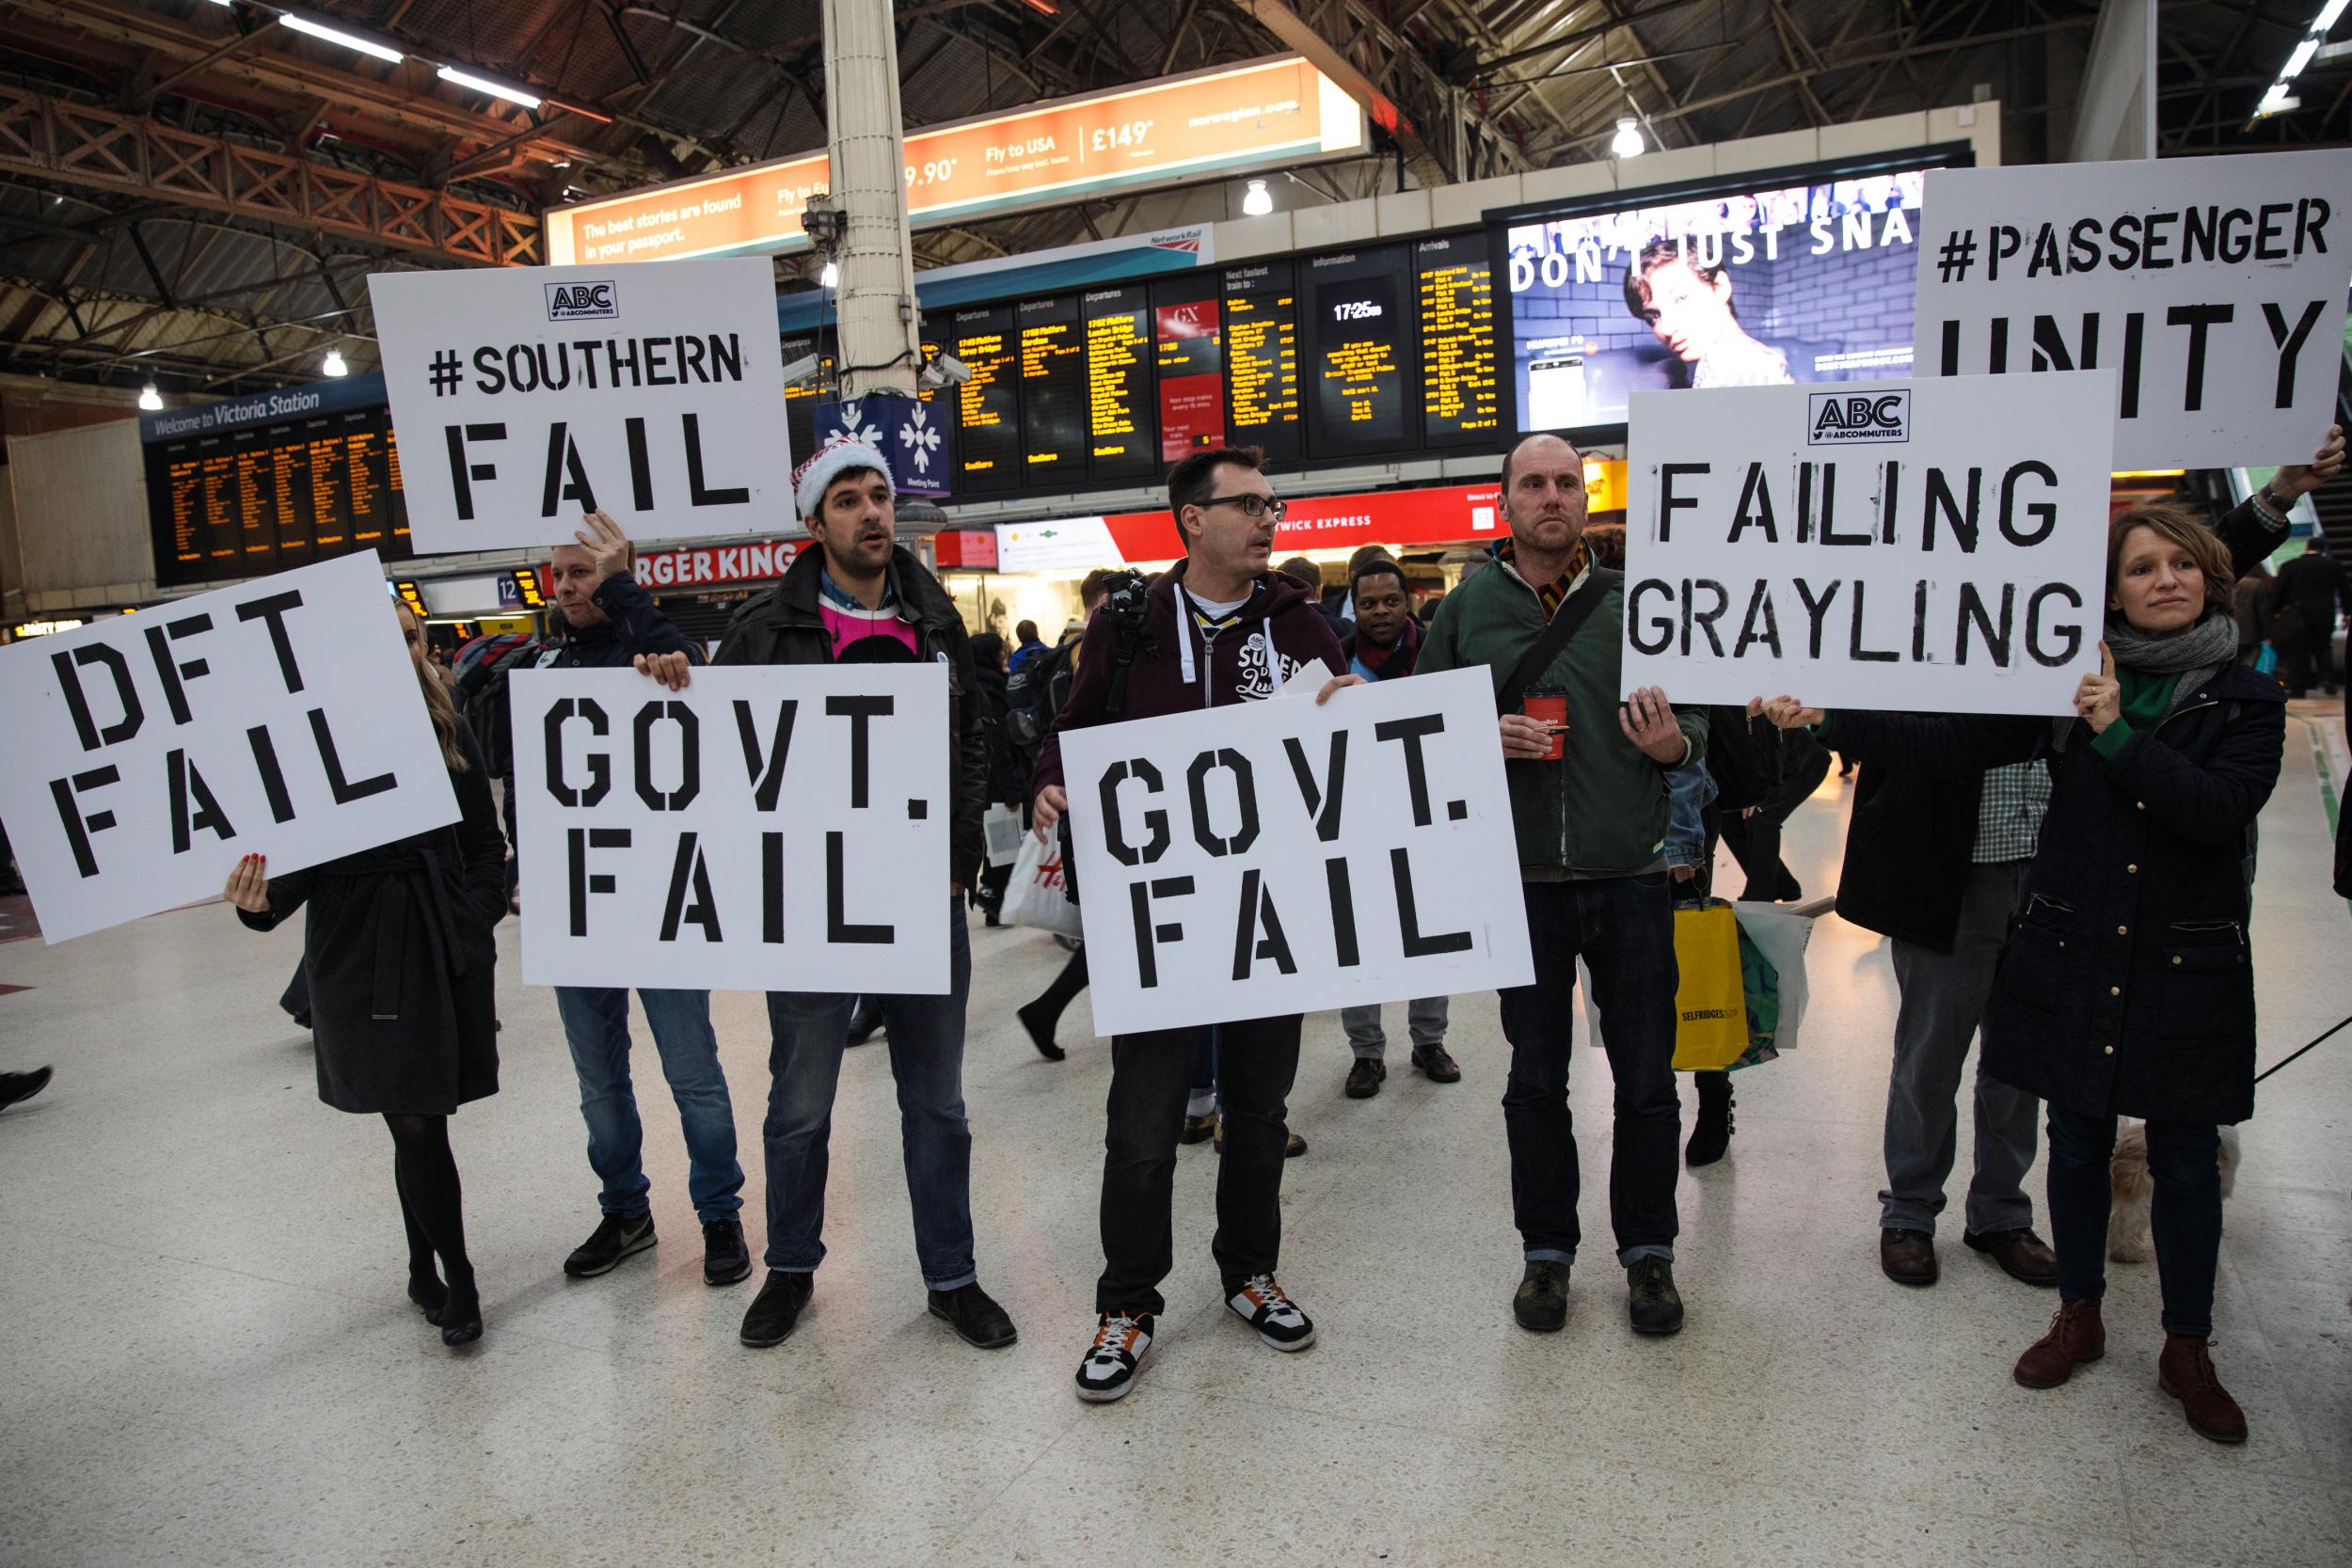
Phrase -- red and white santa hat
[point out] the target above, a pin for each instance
(828, 463)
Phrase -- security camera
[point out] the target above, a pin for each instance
(946, 371)
(803, 369)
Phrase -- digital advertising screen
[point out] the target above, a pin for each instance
(246, 502)
(1261, 359)
(1190, 350)
(1802, 277)
(1360, 354)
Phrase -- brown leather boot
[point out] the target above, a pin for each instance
(2185, 1370)
(2076, 1337)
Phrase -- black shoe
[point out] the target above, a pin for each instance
(614, 1239)
(725, 1258)
(1363, 1079)
(776, 1308)
(1652, 1301)
(1711, 1135)
(1541, 1302)
(22, 1085)
(430, 1295)
(461, 1315)
(1292, 1148)
(864, 1025)
(974, 1316)
(1041, 1032)
(1200, 1130)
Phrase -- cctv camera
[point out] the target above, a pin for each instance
(946, 371)
(801, 370)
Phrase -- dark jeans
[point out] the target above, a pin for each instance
(808, 1032)
(595, 1026)
(1623, 928)
(1754, 841)
(1151, 1075)
(2185, 1216)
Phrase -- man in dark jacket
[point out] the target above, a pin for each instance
(860, 597)
(1219, 628)
(1939, 864)
(2303, 605)
(1381, 644)
(610, 621)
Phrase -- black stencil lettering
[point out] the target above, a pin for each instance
(1756, 507)
(1148, 935)
(1919, 622)
(567, 477)
(344, 793)
(858, 711)
(2289, 343)
(2073, 635)
(1805, 517)
(273, 777)
(187, 786)
(1703, 619)
(1888, 490)
(1408, 918)
(77, 702)
(461, 472)
(2134, 329)
(1962, 519)
(1998, 638)
(1322, 801)
(1853, 646)
(1949, 363)
(1996, 356)
(837, 925)
(1759, 605)
(640, 464)
(1246, 796)
(170, 670)
(1668, 502)
(2051, 351)
(2044, 513)
(1411, 732)
(1342, 911)
(599, 764)
(2310, 224)
(273, 609)
(690, 869)
(767, 776)
(1114, 825)
(771, 887)
(1663, 625)
(2198, 319)
(1816, 610)
(1829, 512)
(77, 827)
(576, 843)
(1257, 909)
(695, 491)
(690, 755)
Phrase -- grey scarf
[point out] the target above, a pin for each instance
(2197, 655)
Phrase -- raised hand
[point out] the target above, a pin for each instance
(2301, 479)
(248, 884)
(2100, 698)
(605, 544)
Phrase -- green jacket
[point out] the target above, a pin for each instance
(1601, 809)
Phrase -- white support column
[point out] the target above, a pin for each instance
(875, 293)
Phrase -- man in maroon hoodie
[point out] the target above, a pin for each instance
(1219, 628)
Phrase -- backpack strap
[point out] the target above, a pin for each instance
(1573, 612)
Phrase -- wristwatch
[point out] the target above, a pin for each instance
(2268, 500)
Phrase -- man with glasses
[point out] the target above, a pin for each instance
(1219, 628)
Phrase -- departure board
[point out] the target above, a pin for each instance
(988, 406)
(1359, 354)
(801, 401)
(1053, 391)
(1261, 359)
(1190, 369)
(1461, 394)
(1119, 351)
(240, 503)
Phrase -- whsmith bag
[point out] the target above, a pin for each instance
(1034, 897)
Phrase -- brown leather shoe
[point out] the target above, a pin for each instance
(2185, 1370)
(2076, 1338)
(2022, 1255)
(1363, 1079)
(1440, 1066)
(1908, 1257)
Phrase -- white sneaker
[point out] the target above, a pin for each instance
(1117, 1354)
(1261, 1304)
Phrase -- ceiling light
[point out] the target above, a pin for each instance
(483, 84)
(333, 364)
(830, 277)
(2297, 61)
(2328, 15)
(2278, 100)
(150, 399)
(1627, 142)
(1257, 201)
(302, 24)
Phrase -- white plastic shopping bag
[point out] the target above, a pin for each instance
(1034, 897)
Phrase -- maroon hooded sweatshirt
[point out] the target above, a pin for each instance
(1276, 633)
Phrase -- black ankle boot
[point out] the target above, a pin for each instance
(461, 1315)
(1711, 1135)
(429, 1294)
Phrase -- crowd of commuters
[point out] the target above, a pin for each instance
(2076, 893)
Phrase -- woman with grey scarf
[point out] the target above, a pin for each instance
(2128, 987)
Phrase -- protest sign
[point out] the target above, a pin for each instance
(523, 397)
(1282, 857)
(2213, 288)
(772, 829)
(1934, 545)
(149, 751)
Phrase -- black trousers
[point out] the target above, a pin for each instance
(1150, 1078)
(1754, 841)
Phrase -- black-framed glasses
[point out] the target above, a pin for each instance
(1252, 506)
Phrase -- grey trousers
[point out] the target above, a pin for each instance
(1944, 997)
(1424, 1018)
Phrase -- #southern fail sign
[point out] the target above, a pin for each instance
(523, 397)
(2212, 287)
(772, 829)
(1282, 857)
(149, 751)
(1930, 545)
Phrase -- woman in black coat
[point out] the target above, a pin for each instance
(2128, 987)
(398, 957)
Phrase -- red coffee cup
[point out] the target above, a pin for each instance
(1550, 710)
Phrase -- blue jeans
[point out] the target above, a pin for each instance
(809, 1031)
(2184, 1215)
(1624, 928)
(595, 1026)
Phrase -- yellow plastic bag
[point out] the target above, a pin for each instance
(1711, 1002)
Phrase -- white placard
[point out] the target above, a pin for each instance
(1938, 546)
(524, 396)
(1282, 857)
(147, 752)
(2215, 287)
(781, 828)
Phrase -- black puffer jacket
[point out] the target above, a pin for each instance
(2128, 987)
(782, 626)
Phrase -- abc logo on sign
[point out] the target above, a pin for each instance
(1838, 419)
(571, 302)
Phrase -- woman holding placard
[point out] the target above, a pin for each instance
(2128, 987)
(399, 956)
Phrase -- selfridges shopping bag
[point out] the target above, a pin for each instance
(1710, 999)
(1771, 982)
(1034, 897)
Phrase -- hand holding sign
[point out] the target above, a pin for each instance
(2301, 479)
(2100, 698)
(1648, 722)
(248, 884)
(674, 671)
(1787, 713)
